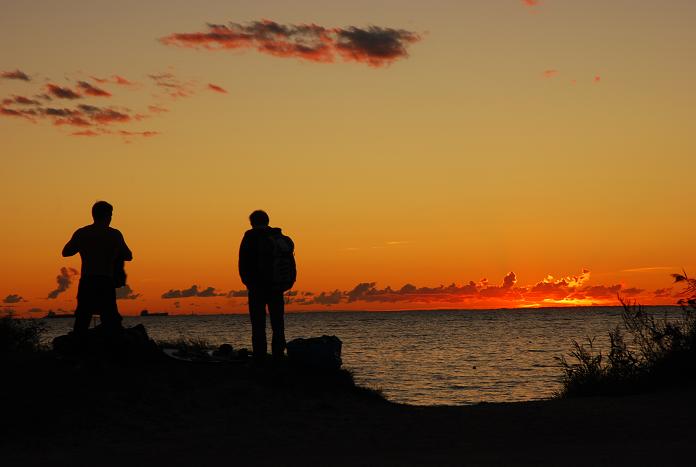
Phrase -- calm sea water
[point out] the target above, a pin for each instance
(426, 357)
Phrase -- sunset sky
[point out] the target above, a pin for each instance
(421, 154)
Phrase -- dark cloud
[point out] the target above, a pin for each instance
(632, 292)
(28, 114)
(105, 115)
(17, 74)
(126, 293)
(597, 292)
(237, 293)
(64, 279)
(61, 93)
(54, 112)
(328, 298)
(374, 45)
(13, 298)
(663, 293)
(20, 100)
(193, 291)
(34, 310)
(91, 90)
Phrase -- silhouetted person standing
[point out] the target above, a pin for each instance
(103, 251)
(267, 268)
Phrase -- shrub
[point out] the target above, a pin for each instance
(19, 336)
(660, 352)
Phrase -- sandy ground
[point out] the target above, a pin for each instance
(178, 414)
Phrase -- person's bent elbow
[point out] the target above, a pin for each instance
(68, 252)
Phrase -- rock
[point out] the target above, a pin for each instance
(125, 344)
(224, 351)
(318, 353)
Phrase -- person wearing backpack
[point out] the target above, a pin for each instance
(267, 269)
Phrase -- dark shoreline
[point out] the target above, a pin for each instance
(172, 413)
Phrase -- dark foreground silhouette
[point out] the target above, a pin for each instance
(267, 269)
(162, 411)
(103, 251)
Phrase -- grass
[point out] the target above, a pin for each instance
(645, 352)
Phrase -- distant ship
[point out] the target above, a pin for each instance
(53, 315)
(159, 313)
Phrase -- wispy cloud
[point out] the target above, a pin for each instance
(69, 105)
(20, 100)
(60, 92)
(216, 88)
(92, 90)
(115, 79)
(650, 269)
(16, 74)
(375, 46)
(157, 109)
(172, 85)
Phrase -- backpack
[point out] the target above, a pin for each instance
(280, 261)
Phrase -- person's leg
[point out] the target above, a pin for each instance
(257, 313)
(276, 309)
(83, 312)
(108, 311)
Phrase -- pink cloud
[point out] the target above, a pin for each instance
(375, 46)
(62, 92)
(16, 74)
(92, 90)
(216, 88)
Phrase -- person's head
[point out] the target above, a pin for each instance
(259, 219)
(101, 212)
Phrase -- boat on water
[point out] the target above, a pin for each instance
(157, 313)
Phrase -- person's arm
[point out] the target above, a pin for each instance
(72, 247)
(124, 252)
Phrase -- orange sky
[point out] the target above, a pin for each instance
(528, 153)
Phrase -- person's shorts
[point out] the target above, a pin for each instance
(96, 295)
